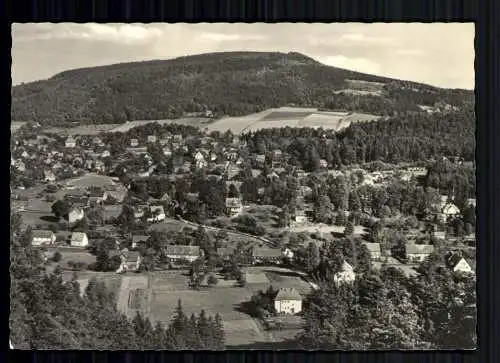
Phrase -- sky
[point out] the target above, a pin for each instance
(440, 54)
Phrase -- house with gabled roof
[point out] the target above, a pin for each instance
(129, 261)
(346, 274)
(42, 237)
(49, 176)
(178, 253)
(373, 250)
(449, 210)
(288, 301)
(70, 142)
(458, 264)
(266, 255)
(79, 239)
(76, 214)
(418, 253)
(233, 206)
(151, 139)
(157, 213)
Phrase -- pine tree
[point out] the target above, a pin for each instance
(178, 327)
(219, 335)
(203, 329)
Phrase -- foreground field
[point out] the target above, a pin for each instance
(156, 295)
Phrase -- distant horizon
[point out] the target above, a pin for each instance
(436, 54)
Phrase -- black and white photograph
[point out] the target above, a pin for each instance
(232, 186)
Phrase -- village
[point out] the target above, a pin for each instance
(172, 212)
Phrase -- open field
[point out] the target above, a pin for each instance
(290, 117)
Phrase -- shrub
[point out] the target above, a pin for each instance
(212, 280)
(57, 257)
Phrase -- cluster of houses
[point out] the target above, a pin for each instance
(47, 238)
(60, 161)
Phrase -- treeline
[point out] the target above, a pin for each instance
(226, 83)
(398, 139)
(46, 313)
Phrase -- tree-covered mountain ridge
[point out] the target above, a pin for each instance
(227, 83)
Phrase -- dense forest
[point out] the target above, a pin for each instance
(47, 313)
(233, 83)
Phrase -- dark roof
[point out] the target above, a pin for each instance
(183, 250)
(266, 252)
(42, 233)
(288, 294)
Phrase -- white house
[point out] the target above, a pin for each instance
(233, 206)
(459, 264)
(167, 151)
(418, 253)
(288, 301)
(41, 237)
(449, 210)
(201, 164)
(300, 216)
(198, 156)
(79, 239)
(345, 275)
(373, 249)
(75, 215)
(134, 143)
(151, 139)
(181, 252)
(49, 176)
(70, 142)
(105, 154)
(130, 261)
(157, 213)
(288, 253)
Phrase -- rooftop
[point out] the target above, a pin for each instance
(288, 294)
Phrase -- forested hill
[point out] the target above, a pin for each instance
(233, 83)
